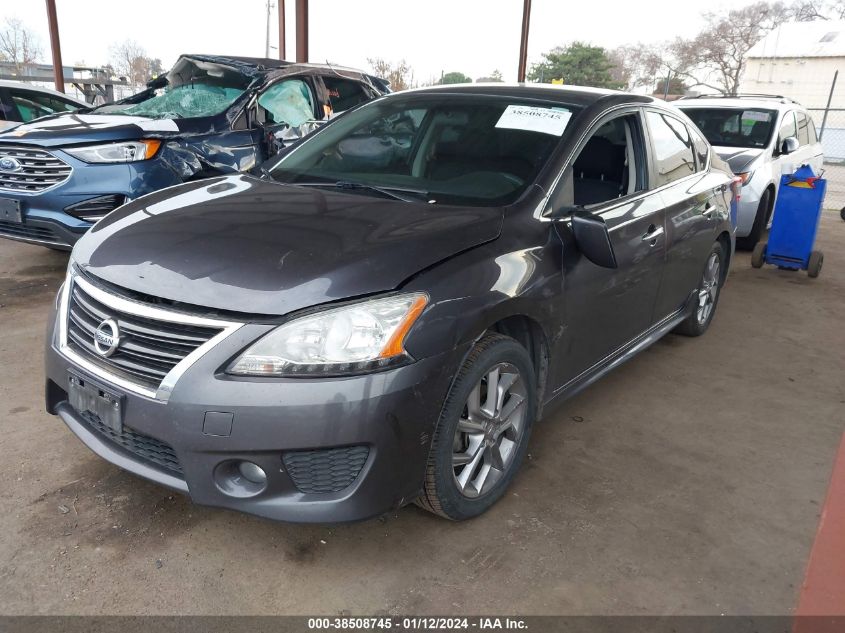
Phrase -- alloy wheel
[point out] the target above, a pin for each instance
(489, 430)
(709, 289)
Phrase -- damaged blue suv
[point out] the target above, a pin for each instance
(208, 116)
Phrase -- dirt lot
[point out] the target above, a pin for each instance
(688, 481)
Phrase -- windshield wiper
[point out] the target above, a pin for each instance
(392, 192)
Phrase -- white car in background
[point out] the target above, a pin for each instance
(21, 103)
(760, 137)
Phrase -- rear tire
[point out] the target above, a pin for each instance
(842, 213)
(707, 294)
(814, 265)
(477, 431)
(758, 256)
(760, 220)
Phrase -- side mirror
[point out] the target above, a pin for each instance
(593, 240)
(789, 145)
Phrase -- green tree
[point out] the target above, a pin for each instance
(494, 77)
(578, 64)
(676, 86)
(455, 78)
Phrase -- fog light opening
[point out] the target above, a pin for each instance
(240, 478)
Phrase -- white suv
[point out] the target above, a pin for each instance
(760, 137)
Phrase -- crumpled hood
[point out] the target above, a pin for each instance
(72, 128)
(248, 245)
(739, 158)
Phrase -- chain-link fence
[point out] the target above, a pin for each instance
(830, 122)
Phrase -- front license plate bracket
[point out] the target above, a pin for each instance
(10, 211)
(87, 396)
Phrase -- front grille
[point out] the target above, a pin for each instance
(26, 231)
(146, 448)
(328, 470)
(148, 348)
(39, 169)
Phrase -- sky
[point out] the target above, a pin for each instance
(471, 36)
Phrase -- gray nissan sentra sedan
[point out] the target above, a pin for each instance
(381, 314)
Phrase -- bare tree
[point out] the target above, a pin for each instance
(716, 57)
(720, 49)
(399, 74)
(18, 44)
(811, 10)
(130, 60)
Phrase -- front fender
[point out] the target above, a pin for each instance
(475, 290)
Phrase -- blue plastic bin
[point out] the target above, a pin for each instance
(794, 225)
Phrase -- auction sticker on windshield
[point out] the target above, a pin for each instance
(533, 119)
(756, 115)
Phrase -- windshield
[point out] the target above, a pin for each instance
(473, 150)
(734, 127)
(194, 89)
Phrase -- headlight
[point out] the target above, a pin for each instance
(355, 338)
(116, 152)
(745, 176)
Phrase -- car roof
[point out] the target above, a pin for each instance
(774, 102)
(571, 95)
(268, 64)
(49, 91)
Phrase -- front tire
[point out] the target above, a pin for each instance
(760, 220)
(707, 294)
(758, 256)
(483, 431)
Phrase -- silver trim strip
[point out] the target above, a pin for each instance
(33, 240)
(139, 309)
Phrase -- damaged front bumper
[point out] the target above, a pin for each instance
(300, 450)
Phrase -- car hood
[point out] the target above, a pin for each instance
(71, 128)
(739, 158)
(238, 243)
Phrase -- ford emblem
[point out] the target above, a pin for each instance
(7, 163)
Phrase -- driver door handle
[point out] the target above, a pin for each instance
(652, 234)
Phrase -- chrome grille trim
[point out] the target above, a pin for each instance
(67, 329)
(41, 170)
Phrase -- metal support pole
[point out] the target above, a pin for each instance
(267, 32)
(523, 42)
(666, 87)
(282, 50)
(55, 47)
(827, 107)
(301, 31)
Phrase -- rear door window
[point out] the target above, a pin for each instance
(672, 148)
(811, 128)
(344, 93)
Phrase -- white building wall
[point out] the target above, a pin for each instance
(807, 79)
